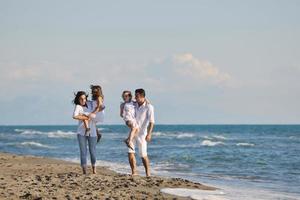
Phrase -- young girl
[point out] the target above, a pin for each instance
(80, 102)
(127, 112)
(97, 104)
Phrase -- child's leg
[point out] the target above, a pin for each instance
(132, 134)
(86, 126)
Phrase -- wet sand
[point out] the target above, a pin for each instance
(28, 177)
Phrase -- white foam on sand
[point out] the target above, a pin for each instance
(196, 194)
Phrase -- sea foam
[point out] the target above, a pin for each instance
(210, 143)
(35, 144)
(196, 194)
(245, 144)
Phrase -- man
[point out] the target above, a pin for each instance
(145, 119)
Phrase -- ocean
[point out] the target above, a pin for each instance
(245, 161)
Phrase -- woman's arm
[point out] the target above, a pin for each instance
(81, 117)
(77, 113)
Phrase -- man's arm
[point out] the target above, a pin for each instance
(149, 131)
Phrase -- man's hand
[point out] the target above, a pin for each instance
(149, 130)
(148, 137)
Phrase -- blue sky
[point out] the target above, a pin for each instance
(201, 62)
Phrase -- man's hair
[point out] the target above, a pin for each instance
(140, 91)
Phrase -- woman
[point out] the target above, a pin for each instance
(81, 107)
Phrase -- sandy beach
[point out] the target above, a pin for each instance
(28, 177)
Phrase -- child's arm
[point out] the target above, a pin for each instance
(121, 109)
(99, 105)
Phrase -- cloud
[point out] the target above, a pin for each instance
(187, 65)
(181, 71)
(185, 72)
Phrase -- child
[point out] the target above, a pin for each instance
(127, 112)
(97, 104)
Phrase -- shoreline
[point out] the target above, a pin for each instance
(32, 177)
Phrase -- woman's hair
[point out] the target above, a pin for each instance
(128, 92)
(77, 96)
(98, 93)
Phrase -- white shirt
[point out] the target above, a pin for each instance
(84, 110)
(144, 114)
(129, 111)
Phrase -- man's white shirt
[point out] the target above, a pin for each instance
(144, 115)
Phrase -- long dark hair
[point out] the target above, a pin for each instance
(77, 96)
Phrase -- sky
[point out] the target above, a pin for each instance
(200, 62)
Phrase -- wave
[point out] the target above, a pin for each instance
(220, 137)
(34, 144)
(185, 135)
(30, 132)
(19, 130)
(294, 137)
(170, 134)
(210, 143)
(212, 137)
(157, 133)
(245, 144)
(61, 134)
(51, 134)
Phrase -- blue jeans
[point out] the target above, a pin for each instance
(92, 141)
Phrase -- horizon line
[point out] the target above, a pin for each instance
(199, 124)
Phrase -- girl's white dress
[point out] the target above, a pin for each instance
(129, 113)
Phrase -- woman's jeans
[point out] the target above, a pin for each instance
(92, 141)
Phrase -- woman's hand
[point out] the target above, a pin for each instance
(92, 115)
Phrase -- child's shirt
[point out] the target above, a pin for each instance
(129, 111)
